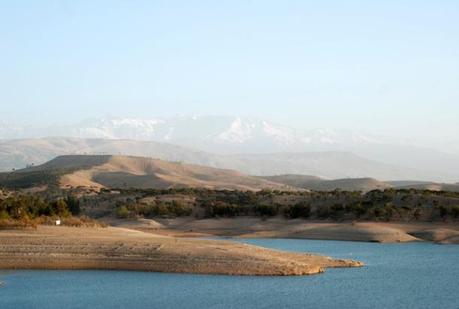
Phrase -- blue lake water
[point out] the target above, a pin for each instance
(415, 275)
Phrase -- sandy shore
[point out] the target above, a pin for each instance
(125, 249)
(281, 228)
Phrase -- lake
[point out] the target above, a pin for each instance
(413, 275)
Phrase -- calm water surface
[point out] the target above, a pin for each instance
(416, 275)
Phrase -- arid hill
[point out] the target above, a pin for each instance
(319, 184)
(357, 184)
(104, 171)
(425, 185)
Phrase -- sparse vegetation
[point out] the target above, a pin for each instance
(131, 209)
(299, 210)
(30, 210)
(388, 205)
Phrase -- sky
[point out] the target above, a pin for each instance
(387, 67)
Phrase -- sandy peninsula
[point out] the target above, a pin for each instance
(125, 249)
(252, 227)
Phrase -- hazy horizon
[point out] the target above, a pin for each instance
(387, 68)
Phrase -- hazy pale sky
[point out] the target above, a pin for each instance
(379, 66)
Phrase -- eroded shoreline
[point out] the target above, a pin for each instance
(253, 227)
(124, 249)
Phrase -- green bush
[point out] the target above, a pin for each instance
(122, 212)
(4, 215)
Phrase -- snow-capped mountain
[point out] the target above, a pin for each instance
(230, 135)
(207, 131)
(221, 134)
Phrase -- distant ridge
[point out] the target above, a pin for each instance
(106, 171)
(319, 184)
(357, 184)
(328, 164)
(433, 187)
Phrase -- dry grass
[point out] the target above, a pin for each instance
(83, 221)
(6, 224)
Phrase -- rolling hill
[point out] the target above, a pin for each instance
(106, 171)
(432, 186)
(330, 164)
(315, 183)
(319, 184)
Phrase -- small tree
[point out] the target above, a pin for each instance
(61, 208)
(443, 211)
(73, 204)
(299, 210)
(122, 212)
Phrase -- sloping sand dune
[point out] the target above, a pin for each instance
(123, 249)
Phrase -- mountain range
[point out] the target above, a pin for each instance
(237, 142)
(25, 152)
(216, 134)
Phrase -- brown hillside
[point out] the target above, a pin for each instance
(319, 184)
(141, 172)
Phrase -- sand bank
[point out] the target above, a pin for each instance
(125, 249)
(384, 232)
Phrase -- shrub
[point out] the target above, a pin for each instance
(221, 209)
(4, 215)
(356, 208)
(61, 208)
(122, 212)
(73, 204)
(12, 224)
(267, 210)
(443, 211)
(299, 210)
(388, 211)
(323, 212)
(82, 221)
